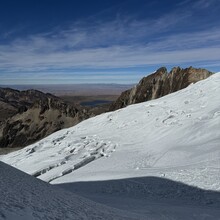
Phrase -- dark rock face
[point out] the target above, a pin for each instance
(28, 116)
(160, 84)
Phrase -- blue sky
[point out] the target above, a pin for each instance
(100, 41)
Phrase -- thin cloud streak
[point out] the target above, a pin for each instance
(171, 50)
(203, 4)
(122, 43)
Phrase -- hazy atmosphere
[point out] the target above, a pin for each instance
(72, 42)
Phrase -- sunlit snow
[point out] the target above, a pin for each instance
(176, 137)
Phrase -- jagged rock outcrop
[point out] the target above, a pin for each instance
(28, 116)
(160, 84)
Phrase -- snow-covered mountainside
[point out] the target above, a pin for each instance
(172, 136)
(144, 154)
(26, 198)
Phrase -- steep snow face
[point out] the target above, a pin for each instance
(26, 198)
(177, 136)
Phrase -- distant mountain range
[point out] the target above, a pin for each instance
(74, 89)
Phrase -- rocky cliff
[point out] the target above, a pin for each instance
(160, 84)
(28, 116)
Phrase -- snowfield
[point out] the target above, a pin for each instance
(175, 138)
(26, 198)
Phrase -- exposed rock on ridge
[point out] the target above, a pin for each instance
(28, 116)
(160, 84)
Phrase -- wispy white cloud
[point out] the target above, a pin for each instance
(39, 53)
(198, 4)
(112, 57)
(121, 43)
(203, 4)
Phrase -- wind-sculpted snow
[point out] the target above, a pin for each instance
(26, 198)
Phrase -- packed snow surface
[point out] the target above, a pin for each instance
(25, 198)
(175, 138)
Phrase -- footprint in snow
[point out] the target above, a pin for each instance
(216, 114)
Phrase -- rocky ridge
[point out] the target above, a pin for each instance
(28, 116)
(159, 84)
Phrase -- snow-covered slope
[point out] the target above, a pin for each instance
(26, 198)
(177, 136)
(140, 158)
